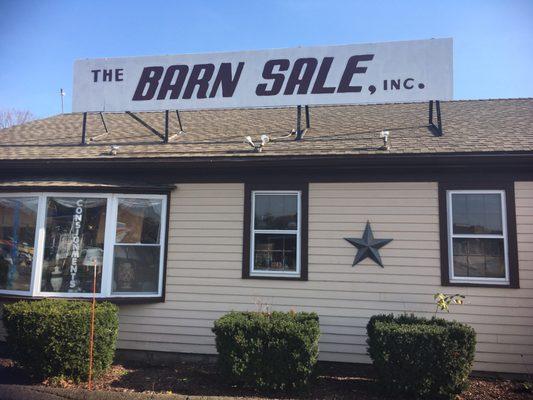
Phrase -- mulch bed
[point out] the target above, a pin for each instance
(200, 379)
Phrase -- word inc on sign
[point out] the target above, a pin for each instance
(350, 74)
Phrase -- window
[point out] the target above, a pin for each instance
(480, 249)
(51, 243)
(73, 243)
(137, 247)
(18, 216)
(276, 226)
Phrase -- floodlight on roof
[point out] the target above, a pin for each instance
(385, 136)
(113, 150)
(264, 139)
(257, 147)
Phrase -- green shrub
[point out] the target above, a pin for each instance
(421, 358)
(50, 338)
(267, 350)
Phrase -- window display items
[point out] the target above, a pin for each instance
(74, 240)
(137, 250)
(126, 276)
(17, 231)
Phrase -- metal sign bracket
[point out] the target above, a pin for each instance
(436, 129)
(299, 132)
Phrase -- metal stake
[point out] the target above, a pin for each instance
(91, 338)
(165, 140)
(179, 120)
(439, 120)
(298, 122)
(103, 122)
(437, 129)
(83, 127)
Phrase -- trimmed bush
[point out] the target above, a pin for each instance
(421, 358)
(50, 338)
(268, 350)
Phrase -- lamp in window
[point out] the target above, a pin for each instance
(93, 256)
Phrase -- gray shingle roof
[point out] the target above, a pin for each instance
(504, 125)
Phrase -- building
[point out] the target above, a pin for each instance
(170, 227)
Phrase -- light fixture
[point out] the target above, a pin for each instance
(93, 255)
(113, 150)
(257, 147)
(385, 136)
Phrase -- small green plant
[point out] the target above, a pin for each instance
(526, 387)
(419, 357)
(267, 350)
(50, 338)
(444, 300)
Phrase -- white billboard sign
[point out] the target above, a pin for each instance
(391, 72)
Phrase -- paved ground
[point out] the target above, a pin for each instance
(24, 392)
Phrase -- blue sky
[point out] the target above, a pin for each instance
(40, 39)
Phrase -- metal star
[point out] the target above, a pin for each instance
(367, 246)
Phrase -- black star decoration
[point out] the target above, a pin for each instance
(367, 246)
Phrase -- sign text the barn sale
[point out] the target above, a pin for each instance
(351, 74)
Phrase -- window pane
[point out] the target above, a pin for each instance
(136, 269)
(138, 220)
(481, 258)
(275, 252)
(17, 235)
(74, 242)
(477, 213)
(276, 211)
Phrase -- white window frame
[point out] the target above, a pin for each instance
(452, 235)
(35, 250)
(109, 242)
(161, 244)
(297, 232)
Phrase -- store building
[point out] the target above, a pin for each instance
(279, 184)
(171, 227)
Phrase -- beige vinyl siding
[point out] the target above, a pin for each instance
(204, 273)
(204, 253)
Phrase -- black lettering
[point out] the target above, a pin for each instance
(408, 86)
(385, 83)
(172, 83)
(118, 74)
(200, 76)
(394, 84)
(95, 74)
(308, 65)
(268, 73)
(225, 79)
(350, 70)
(149, 80)
(107, 75)
(323, 72)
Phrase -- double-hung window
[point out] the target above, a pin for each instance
(479, 247)
(276, 221)
(51, 244)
